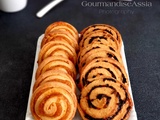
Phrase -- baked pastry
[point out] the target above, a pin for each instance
(57, 47)
(105, 99)
(105, 27)
(61, 25)
(95, 50)
(56, 62)
(101, 37)
(102, 67)
(53, 100)
(62, 35)
(55, 75)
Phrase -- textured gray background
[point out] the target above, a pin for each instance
(140, 29)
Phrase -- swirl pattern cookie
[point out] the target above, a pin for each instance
(55, 75)
(53, 100)
(105, 27)
(94, 51)
(105, 99)
(62, 35)
(60, 48)
(100, 36)
(103, 67)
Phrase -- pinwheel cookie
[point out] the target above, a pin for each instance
(100, 36)
(105, 99)
(58, 48)
(102, 67)
(61, 25)
(55, 75)
(56, 62)
(63, 31)
(105, 27)
(95, 50)
(53, 100)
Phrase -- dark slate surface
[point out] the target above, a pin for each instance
(140, 29)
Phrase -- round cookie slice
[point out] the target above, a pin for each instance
(99, 36)
(56, 62)
(62, 35)
(55, 75)
(105, 99)
(96, 50)
(102, 67)
(61, 25)
(53, 100)
(57, 48)
(99, 53)
(108, 28)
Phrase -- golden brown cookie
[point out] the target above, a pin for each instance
(56, 62)
(60, 48)
(61, 25)
(102, 67)
(100, 36)
(53, 100)
(55, 75)
(105, 27)
(105, 98)
(93, 51)
(62, 35)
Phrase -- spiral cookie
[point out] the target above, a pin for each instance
(56, 62)
(62, 35)
(55, 75)
(61, 25)
(103, 67)
(60, 48)
(94, 51)
(53, 100)
(108, 28)
(99, 36)
(105, 99)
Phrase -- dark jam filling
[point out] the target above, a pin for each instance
(99, 37)
(96, 29)
(124, 80)
(85, 81)
(111, 49)
(77, 81)
(109, 31)
(112, 56)
(112, 74)
(100, 96)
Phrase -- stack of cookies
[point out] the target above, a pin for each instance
(54, 89)
(103, 81)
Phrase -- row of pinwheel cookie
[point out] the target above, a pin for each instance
(54, 90)
(103, 80)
